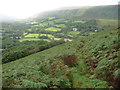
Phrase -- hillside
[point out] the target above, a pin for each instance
(89, 12)
(20, 39)
(63, 24)
(86, 62)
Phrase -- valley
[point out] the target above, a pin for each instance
(66, 48)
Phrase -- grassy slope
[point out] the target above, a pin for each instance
(105, 22)
(103, 12)
(83, 63)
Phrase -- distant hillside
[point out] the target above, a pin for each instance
(95, 12)
(7, 19)
(87, 62)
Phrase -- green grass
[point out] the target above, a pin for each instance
(48, 35)
(43, 24)
(48, 23)
(33, 39)
(29, 29)
(32, 23)
(104, 22)
(53, 29)
(79, 21)
(35, 26)
(24, 34)
(36, 35)
(59, 20)
(32, 35)
(70, 35)
(92, 33)
(74, 32)
(50, 18)
(61, 25)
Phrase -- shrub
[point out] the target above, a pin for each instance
(31, 84)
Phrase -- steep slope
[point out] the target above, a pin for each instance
(87, 62)
(91, 12)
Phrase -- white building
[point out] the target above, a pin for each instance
(75, 29)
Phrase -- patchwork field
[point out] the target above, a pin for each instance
(35, 37)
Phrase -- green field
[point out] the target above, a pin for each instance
(74, 32)
(61, 25)
(35, 26)
(50, 18)
(59, 20)
(32, 35)
(69, 35)
(25, 34)
(53, 29)
(32, 23)
(33, 39)
(79, 21)
(92, 33)
(29, 29)
(48, 35)
(44, 24)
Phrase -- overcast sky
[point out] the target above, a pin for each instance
(26, 8)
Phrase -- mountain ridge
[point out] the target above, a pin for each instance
(89, 12)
